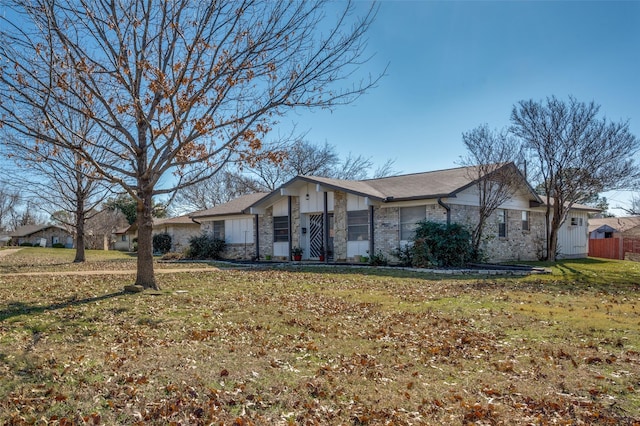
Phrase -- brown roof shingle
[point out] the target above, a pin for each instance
(233, 207)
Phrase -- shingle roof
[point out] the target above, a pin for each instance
(620, 224)
(233, 207)
(427, 185)
(178, 220)
(25, 231)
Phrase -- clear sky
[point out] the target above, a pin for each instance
(453, 65)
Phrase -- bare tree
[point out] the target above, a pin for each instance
(60, 180)
(299, 158)
(493, 155)
(179, 88)
(9, 201)
(577, 154)
(218, 189)
(634, 208)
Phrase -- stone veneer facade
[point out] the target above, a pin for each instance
(517, 245)
(340, 226)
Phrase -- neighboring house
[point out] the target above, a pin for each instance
(614, 227)
(233, 223)
(349, 219)
(180, 228)
(36, 234)
(123, 239)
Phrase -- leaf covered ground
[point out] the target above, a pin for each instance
(320, 346)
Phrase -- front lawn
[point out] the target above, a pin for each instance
(324, 345)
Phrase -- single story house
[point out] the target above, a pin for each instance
(614, 227)
(347, 219)
(123, 239)
(234, 223)
(42, 235)
(180, 228)
(344, 220)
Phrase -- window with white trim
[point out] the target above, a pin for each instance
(280, 229)
(358, 225)
(409, 219)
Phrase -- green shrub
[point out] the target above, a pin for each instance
(404, 254)
(378, 259)
(442, 245)
(58, 245)
(206, 246)
(162, 243)
(26, 244)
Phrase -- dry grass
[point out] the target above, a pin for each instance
(324, 346)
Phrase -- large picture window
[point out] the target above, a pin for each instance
(409, 219)
(280, 229)
(358, 225)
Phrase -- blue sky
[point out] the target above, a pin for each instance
(453, 65)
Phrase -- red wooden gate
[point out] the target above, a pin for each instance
(608, 248)
(613, 248)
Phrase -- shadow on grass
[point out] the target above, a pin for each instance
(19, 308)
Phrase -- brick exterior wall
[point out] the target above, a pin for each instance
(517, 245)
(386, 230)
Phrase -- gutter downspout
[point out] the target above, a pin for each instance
(447, 208)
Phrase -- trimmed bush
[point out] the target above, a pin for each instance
(26, 244)
(442, 245)
(205, 246)
(162, 243)
(58, 245)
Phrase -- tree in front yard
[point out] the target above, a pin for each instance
(576, 154)
(178, 88)
(492, 155)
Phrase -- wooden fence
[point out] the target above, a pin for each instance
(614, 248)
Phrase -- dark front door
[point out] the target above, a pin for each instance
(316, 236)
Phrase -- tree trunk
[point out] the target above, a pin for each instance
(80, 248)
(145, 275)
(556, 221)
(80, 219)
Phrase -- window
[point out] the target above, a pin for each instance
(280, 229)
(576, 221)
(525, 221)
(358, 225)
(409, 218)
(502, 223)
(218, 229)
(124, 237)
